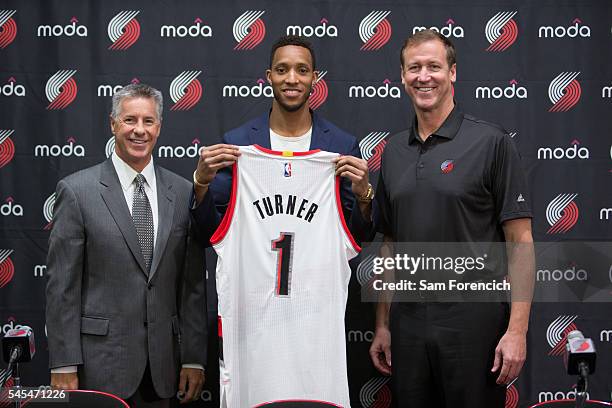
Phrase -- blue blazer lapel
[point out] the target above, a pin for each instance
(259, 132)
(321, 137)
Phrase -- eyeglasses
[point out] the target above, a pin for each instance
(132, 122)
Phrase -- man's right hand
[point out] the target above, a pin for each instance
(65, 381)
(380, 350)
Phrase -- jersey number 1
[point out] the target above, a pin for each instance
(284, 246)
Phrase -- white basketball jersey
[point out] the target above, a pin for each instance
(282, 281)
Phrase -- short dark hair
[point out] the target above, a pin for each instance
(293, 40)
(428, 35)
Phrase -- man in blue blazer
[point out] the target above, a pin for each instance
(289, 125)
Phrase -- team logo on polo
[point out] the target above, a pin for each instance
(8, 28)
(7, 269)
(197, 29)
(11, 208)
(451, 29)
(109, 148)
(48, 211)
(562, 213)
(372, 147)
(319, 92)
(447, 166)
(320, 30)
(61, 89)
(375, 393)
(576, 29)
(123, 30)
(512, 395)
(375, 30)
(68, 30)
(249, 30)
(7, 147)
(12, 88)
(509, 92)
(557, 331)
(501, 31)
(185, 90)
(564, 91)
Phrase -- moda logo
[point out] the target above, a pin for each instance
(509, 92)
(7, 269)
(372, 147)
(449, 30)
(375, 393)
(40, 271)
(561, 153)
(10, 208)
(7, 147)
(197, 29)
(605, 214)
(375, 30)
(501, 31)
(180, 151)
(570, 274)
(11, 324)
(559, 395)
(564, 91)
(606, 92)
(8, 26)
(249, 30)
(61, 89)
(319, 93)
(109, 148)
(512, 395)
(10, 89)
(605, 336)
(360, 336)
(71, 148)
(557, 331)
(69, 30)
(562, 213)
(245, 91)
(48, 211)
(321, 30)
(384, 91)
(110, 90)
(185, 90)
(123, 30)
(576, 29)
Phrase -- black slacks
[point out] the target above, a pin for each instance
(442, 354)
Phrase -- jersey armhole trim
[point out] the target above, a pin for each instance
(341, 215)
(280, 153)
(229, 213)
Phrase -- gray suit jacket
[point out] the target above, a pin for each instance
(103, 313)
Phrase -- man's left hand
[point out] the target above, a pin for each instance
(356, 170)
(190, 384)
(510, 355)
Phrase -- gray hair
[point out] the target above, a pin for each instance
(137, 91)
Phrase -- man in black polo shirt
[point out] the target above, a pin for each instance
(450, 178)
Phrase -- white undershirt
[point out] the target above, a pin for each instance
(290, 143)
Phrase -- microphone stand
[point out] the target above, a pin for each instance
(582, 384)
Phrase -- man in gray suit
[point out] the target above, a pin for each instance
(126, 299)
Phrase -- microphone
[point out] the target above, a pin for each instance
(18, 345)
(580, 355)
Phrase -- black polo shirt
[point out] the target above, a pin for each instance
(459, 185)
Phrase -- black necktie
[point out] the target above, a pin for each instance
(143, 220)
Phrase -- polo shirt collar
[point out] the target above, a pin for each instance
(448, 130)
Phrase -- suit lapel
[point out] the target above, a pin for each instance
(259, 133)
(320, 134)
(112, 194)
(165, 204)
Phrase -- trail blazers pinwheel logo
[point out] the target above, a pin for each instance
(557, 332)
(7, 147)
(562, 213)
(124, 30)
(8, 28)
(375, 30)
(319, 92)
(564, 91)
(372, 147)
(7, 269)
(110, 147)
(48, 211)
(185, 90)
(512, 395)
(249, 30)
(375, 393)
(61, 89)
(501, 31)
